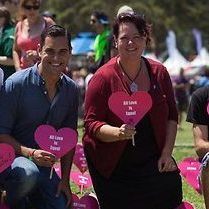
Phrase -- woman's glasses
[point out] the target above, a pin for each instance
(29, 7)
(93, 21)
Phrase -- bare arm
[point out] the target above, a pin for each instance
(16, 53)
(19, 149)
(107, 133)
(201, 142)
(165, 163)
(40, 157)
(4, 60)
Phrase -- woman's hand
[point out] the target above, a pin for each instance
(31, 57)
(43, 158)
(126, 132)
(166, 163)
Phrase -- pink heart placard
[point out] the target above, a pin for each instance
(81, 179)
(7, 156)
(4, 206)
(57, 142)
(79, 158)
(185, 205)
(130, 108)
(87, 202)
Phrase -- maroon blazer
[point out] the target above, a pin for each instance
(108, 79)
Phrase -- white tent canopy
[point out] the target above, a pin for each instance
(175, 63)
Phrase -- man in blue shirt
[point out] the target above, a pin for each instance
(41, 94)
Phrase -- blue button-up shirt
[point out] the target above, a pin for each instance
(24, 105)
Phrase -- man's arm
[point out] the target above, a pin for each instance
(40, 157)
(19, 149)
(201, 142)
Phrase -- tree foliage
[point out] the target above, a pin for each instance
(179, 15)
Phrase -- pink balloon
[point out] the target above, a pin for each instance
(185, 205)
(87, 202)
(57, 142)
(130, 109)
(81, 179)
(79, 158)
(4, 206)
(7, 156)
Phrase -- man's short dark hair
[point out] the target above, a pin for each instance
(55, 31)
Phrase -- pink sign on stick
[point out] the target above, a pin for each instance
(87, 202)
(4, 206)
(7, 156)
(81, 179)
(130, 108)
(57, 142)
(185, 205)
(79, 158)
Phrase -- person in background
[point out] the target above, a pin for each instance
(47, 14)
(1, 77)
(11, 5)
(6, 42)
(100, 23)
(41, 94)
(181, 90)
(28, 32)
(145, 175)
(198, 115)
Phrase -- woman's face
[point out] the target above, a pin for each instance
(30, 9)
(130, 43)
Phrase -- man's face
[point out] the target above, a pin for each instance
(55, 55)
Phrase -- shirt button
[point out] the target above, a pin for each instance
(43, 82)
(45, 92)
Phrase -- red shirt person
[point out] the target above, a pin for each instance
(124, 175)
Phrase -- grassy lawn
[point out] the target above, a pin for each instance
(183, 148)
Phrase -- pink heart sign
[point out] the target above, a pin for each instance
(79, 158)
(7, 156)
(130, 108)
(81, 179)
(185, 205)
(87, 202)
(4, 206)
(57, 142)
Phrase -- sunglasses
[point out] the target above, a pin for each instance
(93, 21)
(28, 7)
(123, 16)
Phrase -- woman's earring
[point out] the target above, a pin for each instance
(116, 45)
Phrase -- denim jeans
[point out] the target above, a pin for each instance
(26, 183)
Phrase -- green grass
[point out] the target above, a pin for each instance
(183, 148)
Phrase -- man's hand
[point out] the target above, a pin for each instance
(44, 158)
(65, 188)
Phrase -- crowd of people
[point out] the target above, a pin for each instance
(130, 164)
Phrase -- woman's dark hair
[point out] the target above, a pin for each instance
(4, 12)
(55, 31)
(139, 21)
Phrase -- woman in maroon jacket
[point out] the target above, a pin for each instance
(144, 176)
